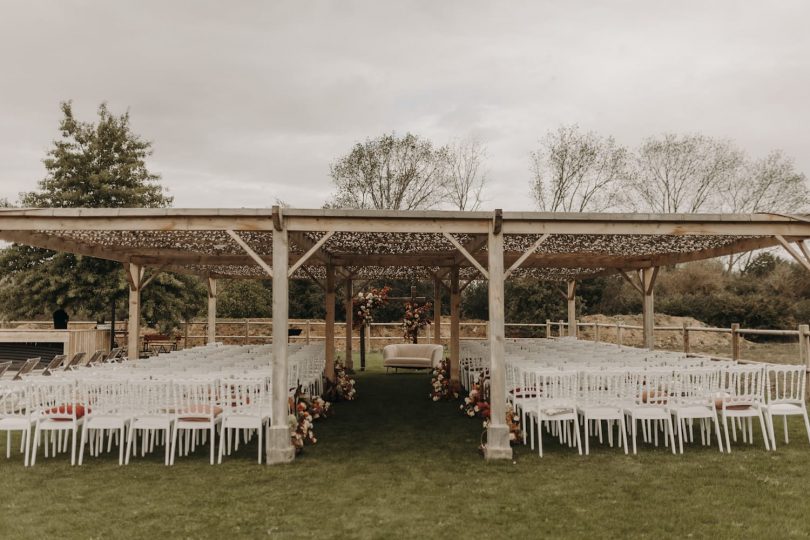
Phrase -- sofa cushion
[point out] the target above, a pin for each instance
(407, 361)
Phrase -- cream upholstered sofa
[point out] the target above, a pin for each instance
(413, 356)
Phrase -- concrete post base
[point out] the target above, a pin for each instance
(279, 446)
(498, 446)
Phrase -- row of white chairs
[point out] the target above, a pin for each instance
(189, 394)
(667, 399)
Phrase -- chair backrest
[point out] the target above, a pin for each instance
(652, 388)
(75, 360)
(27, 367)
(697, 386)
(55, 362)
(556, 388)
(87, 360)
(744, 386)
(104, 397)
(56, 399)
(242, 396)
(603, 388)
(151, 397)
(97, 358)
(112, 355)
(4, 367)
(196, 399)
(14, 400)
(785, 384)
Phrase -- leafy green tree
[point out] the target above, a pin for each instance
(92, 164)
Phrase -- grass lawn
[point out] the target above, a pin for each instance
(396, 465)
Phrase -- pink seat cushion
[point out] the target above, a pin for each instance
(199, 413)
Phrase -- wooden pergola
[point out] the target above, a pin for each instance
(338, 247)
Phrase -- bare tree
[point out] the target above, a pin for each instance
(577, 172)
(390, 172)
(465, 177)
(684, 173)
(770, 184)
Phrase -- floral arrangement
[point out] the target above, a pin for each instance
(416, 317)
(364, 305)
(477, 401)
(513, 423)
(300, 422)
(344, 385)
(442, 387)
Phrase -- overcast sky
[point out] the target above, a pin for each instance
(247, 102)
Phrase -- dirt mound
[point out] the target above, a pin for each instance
(664, 338)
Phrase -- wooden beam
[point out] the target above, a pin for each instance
(312, 250)
(279, 447)
(455, 325)
(155, 274)
(792, 251)
(571, 298)
(526, 255)
(648, 277)
(134, 275)
(467, 254)
(329, 332)
(253, 255)
(498, 445)
(629, 280)
(211, 285)
(349, 317)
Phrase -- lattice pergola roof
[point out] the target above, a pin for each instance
(379, 244)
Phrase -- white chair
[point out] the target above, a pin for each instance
(195, 410)
(744, 397)
(152, 415)
(785, 393)
(602, 397)
(16, 414)
(650, 391)
(243, 408)
(555, 403)
(57, 412)
(694, 398)
(107, 410)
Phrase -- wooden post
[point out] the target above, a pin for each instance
(498, 446)
(562, 328)
(548, 329)
(308, 330)
(279, 447)
(329, 332)
(572, 308)
(686, 346)
(185, 334)
(135, 278)
(212, 310)
(455, 325)
(349, 361)
(437, 311)
(735, 341)
(619, 334)
(596, 332)
(648, 276)
(247, 331)
(804, 348)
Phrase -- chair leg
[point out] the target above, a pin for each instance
(213, 440)
(717, 433)
(33, 459)
(73, 433)
(81, 447)
(633, 429)
(669, 426)
(222, 431)
(587, 449)
(725, 428)
(129, 444)
(786, 430)
(260, 433)
(763, 428)
(174, 444)
(121, 446)
(623, 425)
(27, 436)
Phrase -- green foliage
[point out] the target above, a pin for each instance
(99, 164)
